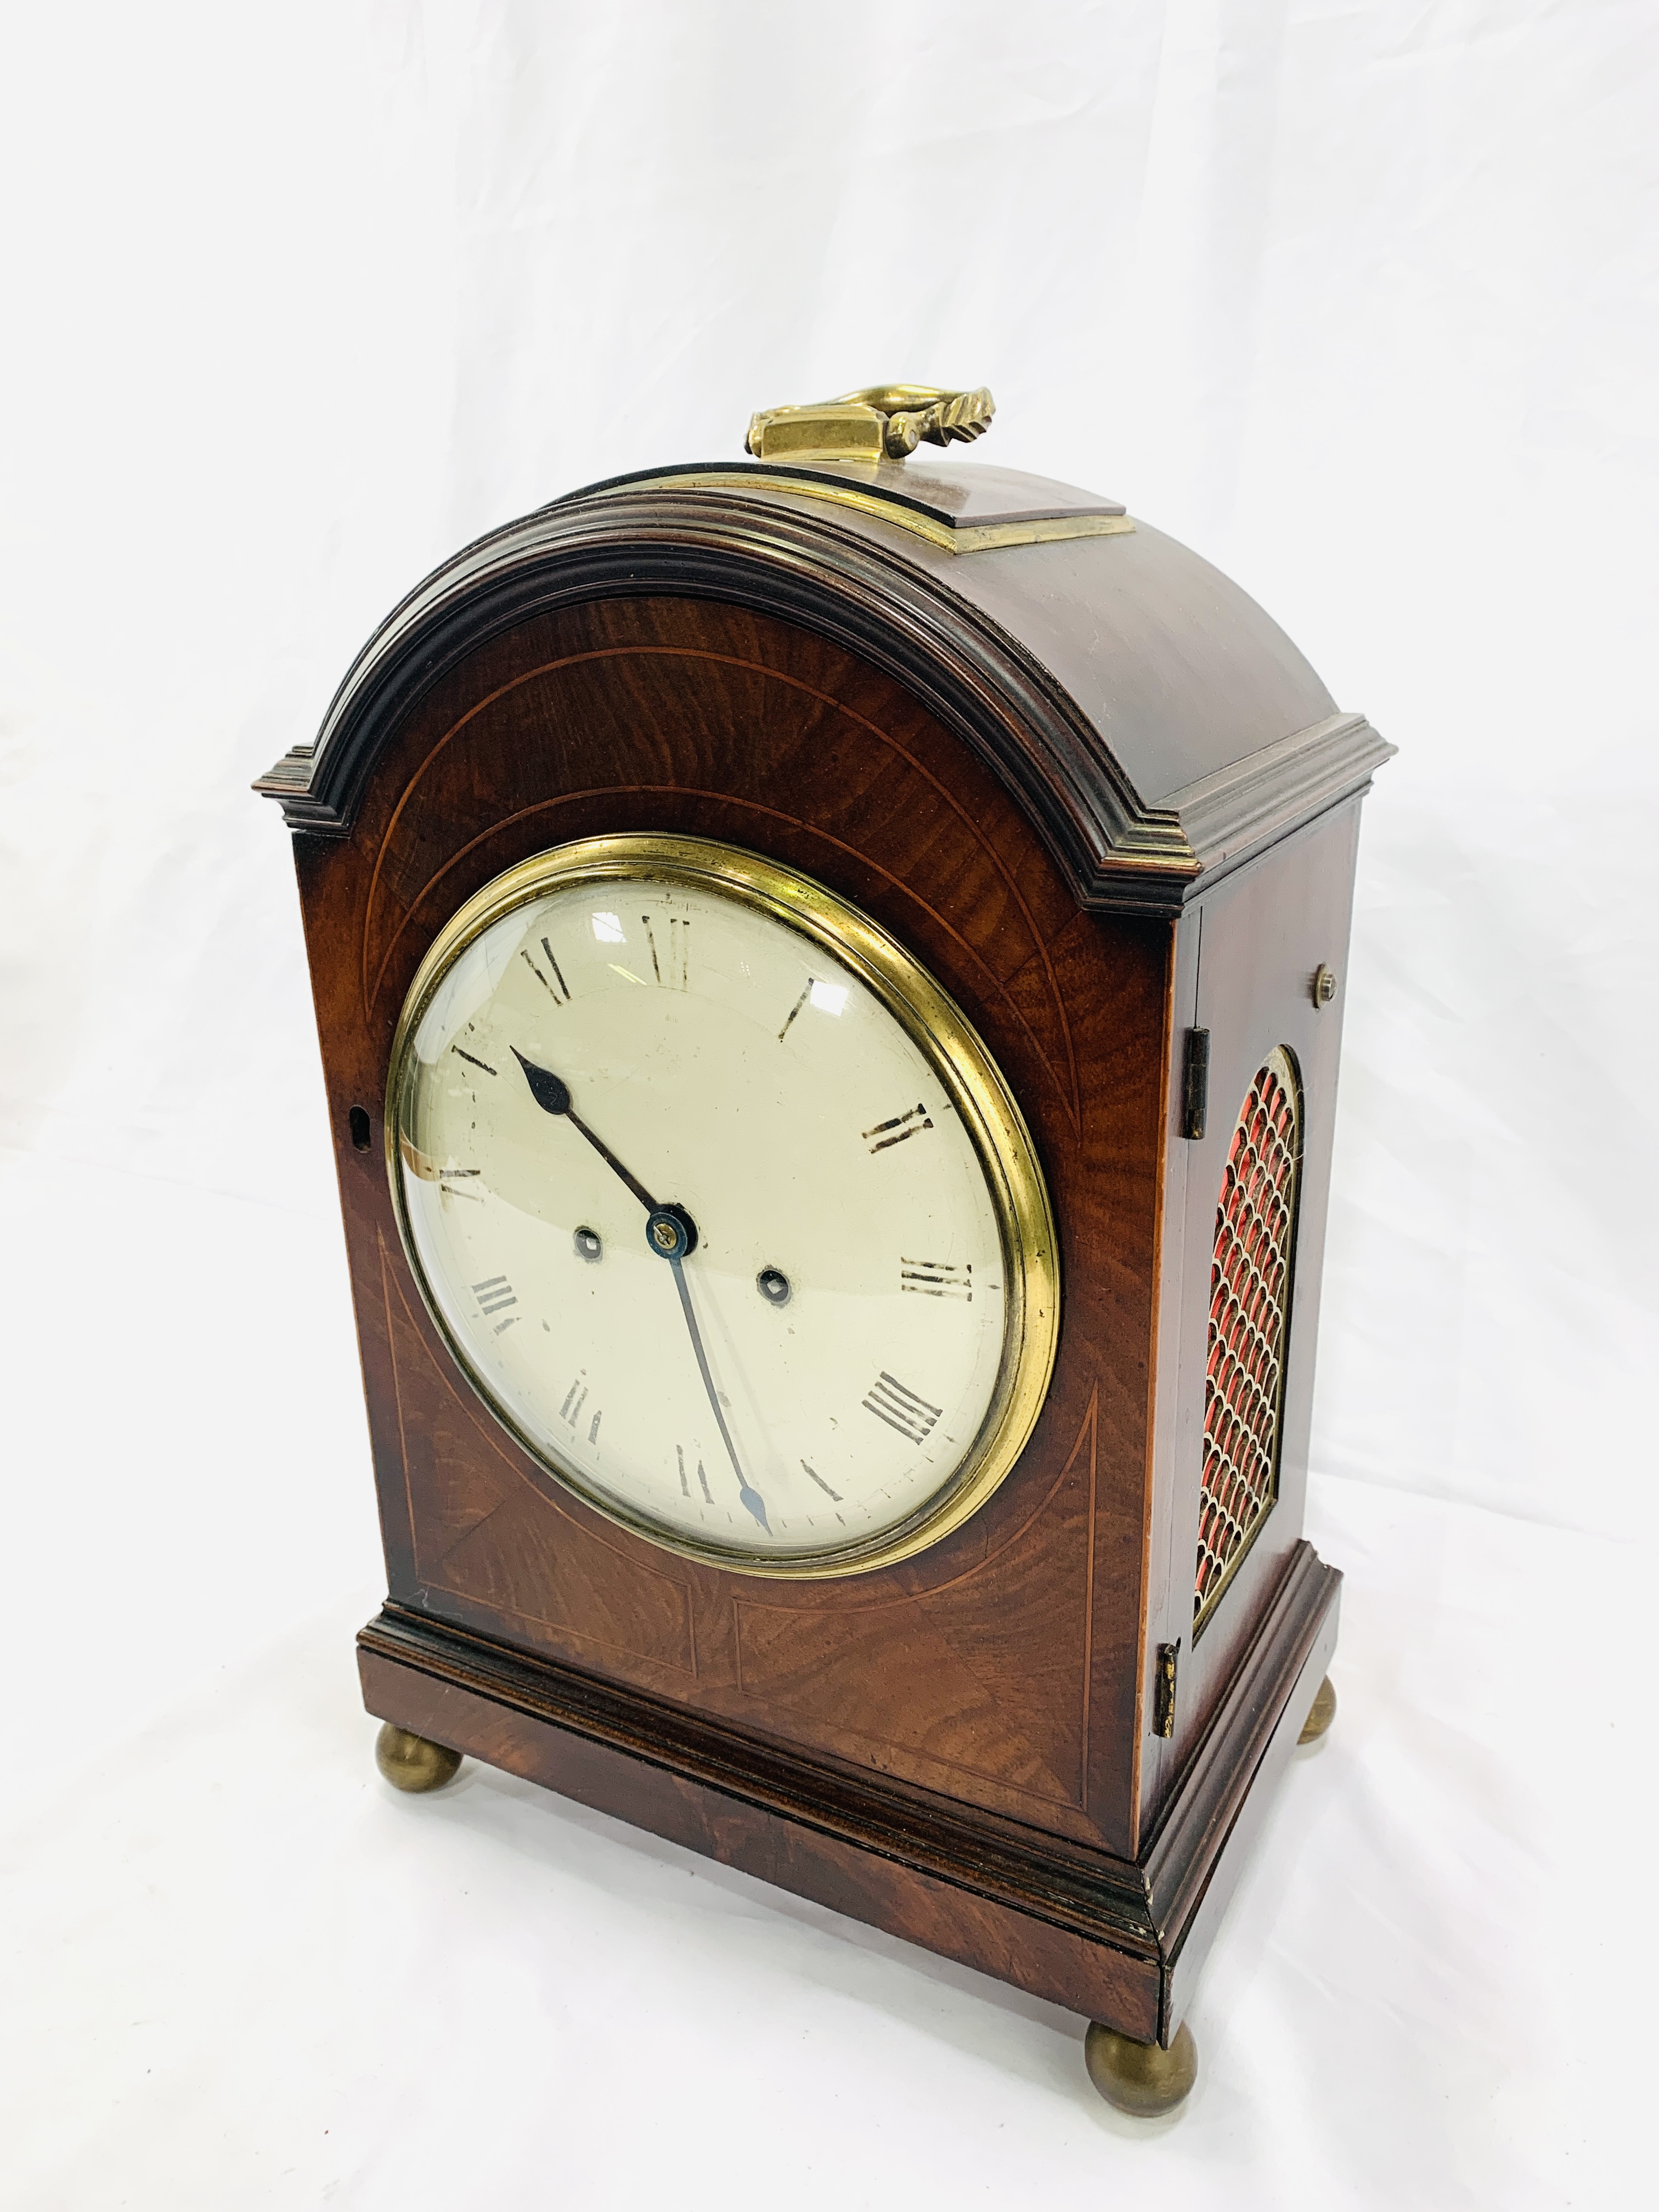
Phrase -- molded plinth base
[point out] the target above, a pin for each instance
(410, 1762)
(1112, 1940)
(1320, 1714)
(1141, 2078)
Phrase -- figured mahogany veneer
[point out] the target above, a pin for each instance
(993, 1667)
(960, 1748)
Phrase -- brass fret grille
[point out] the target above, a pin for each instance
(1249, 1305)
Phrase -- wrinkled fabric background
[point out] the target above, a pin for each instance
(1357, 297)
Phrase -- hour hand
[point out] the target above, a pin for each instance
(552, 1094)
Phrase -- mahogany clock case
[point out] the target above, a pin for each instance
(1104, 806)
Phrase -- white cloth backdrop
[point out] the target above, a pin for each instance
(1357, 296)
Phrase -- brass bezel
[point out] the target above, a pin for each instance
(937, 1026)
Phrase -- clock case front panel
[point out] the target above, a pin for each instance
(961, 1748)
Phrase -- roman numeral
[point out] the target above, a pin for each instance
(827, 998)
(671, 963)
(685, 1487)
(821, 1484)
(473, 1059)
(889, 1401)
(494, 1295)
(558, 990)
(452, 1181)
(895, 1131)
(575, 1398)
(937, 1279)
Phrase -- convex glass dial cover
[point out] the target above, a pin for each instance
(721, 1205)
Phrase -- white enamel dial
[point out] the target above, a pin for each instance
(714, 1232)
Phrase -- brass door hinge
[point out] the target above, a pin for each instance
(1163, 1690)
(1195, 1084)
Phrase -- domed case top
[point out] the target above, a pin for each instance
(1156, 725)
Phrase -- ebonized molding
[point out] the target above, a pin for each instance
(1231, 816)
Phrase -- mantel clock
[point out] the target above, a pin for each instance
(829, 970)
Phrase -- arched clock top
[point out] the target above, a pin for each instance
(1153, 724)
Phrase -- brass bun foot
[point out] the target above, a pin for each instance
(1140, 2078)
(1320, 1714)
(410, 1762)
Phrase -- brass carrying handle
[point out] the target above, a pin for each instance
(884, 421)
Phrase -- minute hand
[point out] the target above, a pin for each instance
(751, 1498)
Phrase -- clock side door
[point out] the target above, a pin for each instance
(1248, 1251)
